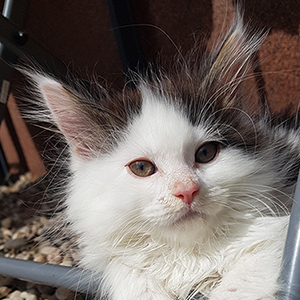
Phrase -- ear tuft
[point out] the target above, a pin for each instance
(232, 61)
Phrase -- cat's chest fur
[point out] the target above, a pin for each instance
(198, 267)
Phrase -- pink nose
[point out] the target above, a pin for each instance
(186, 193)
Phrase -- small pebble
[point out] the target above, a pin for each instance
(28, 296)
(15, 294)
(48, 250)
(23, 255)
(4, 291)
(45, 289)
(55, 257)
(24, 295)
(44, 221)
(66, 263)
(64, 246)
(25, 230)
(16, 243)
(18, 235)
(31, 297)
(6, 233)
(41, 231)
(40, 258)
(63, 293)
(33, 230)
(6, 223)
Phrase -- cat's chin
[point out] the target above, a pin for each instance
(188, 216)
(188, 228)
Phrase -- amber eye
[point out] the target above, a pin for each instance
(142, 168)
(207, 152)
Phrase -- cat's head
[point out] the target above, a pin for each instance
(179, 154)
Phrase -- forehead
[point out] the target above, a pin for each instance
(163, 127)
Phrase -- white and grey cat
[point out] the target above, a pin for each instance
(179, 187)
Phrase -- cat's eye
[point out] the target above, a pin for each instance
(207, 152)
(142, 168)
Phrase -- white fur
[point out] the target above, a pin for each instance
(131, 230)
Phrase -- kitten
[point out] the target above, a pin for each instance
(182, 186)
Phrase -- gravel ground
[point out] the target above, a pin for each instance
(26, 217)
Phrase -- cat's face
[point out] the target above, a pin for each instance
(167, 175)
(178, 172)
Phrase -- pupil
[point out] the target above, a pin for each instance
(204, 151)
(141, 166)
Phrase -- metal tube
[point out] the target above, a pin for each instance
(129, 48)
(75, 279)
(290, 274)
(15, 11)
(15, 40)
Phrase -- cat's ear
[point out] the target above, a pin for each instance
(232, 62)
(68, 114)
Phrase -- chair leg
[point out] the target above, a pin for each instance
(289, 279)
